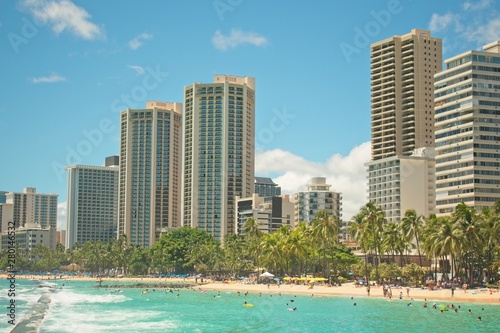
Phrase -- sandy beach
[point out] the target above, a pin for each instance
(481, 295)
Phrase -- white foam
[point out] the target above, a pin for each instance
(68, 297)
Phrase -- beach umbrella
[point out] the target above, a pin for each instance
(267, 274)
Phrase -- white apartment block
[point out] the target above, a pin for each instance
(317, 197)
(92, 206)
(219, 149)
(399, 183)
(149, 189)
(467, 111)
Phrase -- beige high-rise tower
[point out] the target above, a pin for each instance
(402, 93)
(219, 147)
(149, 188)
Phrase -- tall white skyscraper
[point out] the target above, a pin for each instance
(219, 147)
(467, 98)
(150, 172)
(92, 203)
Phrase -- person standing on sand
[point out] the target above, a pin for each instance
(452, 291)
(368, 289)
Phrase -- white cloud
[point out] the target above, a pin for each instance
(52, 78)
(62, 215)
(235, 38)
(347, 174)
(138, 69)
(63, 15)
(470, 5)
(441, 22)
(137, 41)
(484, 33)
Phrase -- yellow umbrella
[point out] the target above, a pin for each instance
(320, 279)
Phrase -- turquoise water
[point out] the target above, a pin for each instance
(78, 307)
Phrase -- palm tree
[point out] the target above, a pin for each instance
(325, 232)
(465, 219)
(253, 235)
(392, 240)
(374, 219)
(412, 224)
(358, 231)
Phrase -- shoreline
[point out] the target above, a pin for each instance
(480, 295)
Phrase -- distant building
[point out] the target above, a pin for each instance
(3, 197)
(399, 183)
(265, 187)
(317, 197)
(467, 111)
(270, 213)
(112, 161)
(28, 237)
(149, 190)
(6, 215)
(219, 150)
(61, 238)
(92, 203)
(35, 210)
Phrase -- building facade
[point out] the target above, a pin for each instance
(92, 206)
(265, 187)
(149, 188)
(402, 90)
(467, 108)
(399, 183)
(269, 213)
(28, 237)
(317, 197)
(35, 210)
(219, 140)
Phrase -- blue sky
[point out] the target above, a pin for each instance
(69, 67)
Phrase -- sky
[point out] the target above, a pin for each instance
(69, 67)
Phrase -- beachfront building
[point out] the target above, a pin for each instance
(34, 210)
(467, 111)
(265, 187)
(28, 237)
(399, 183)
(402, 122)
(6, 215)
(92, 203)
(149, 188)
(269, 213)
(402, 93)
(61, 237)
(317, 197)
(219, 139)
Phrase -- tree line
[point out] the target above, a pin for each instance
(470, 240)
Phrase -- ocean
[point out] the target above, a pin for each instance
(80, 307)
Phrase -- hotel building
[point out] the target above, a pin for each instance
(467, 111)
(31, 210)
(269, 213)
(92, 204)
(149, 188)
(402, 93)
(317, 197)
(219, 139)
(265, 187)
(402, 123)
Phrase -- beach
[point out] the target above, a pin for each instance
(479, 295)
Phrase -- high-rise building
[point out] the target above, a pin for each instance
(270, 213)
(35, 210)
(399, 183)
(317, 197)
(467, 111)
(219, 139)
(402, 93)
(6, 215)
(92, 204)
(149, 200)
(3, 197)
(265, 187)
